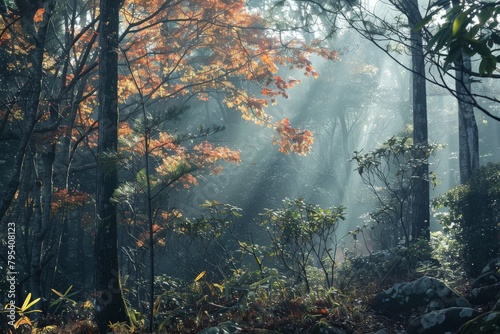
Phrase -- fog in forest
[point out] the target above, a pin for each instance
(249, 167)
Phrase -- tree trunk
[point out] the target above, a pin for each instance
(468, 142)
(110, 305)
(43, 195)
(420, 203)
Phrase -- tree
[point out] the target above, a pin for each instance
(378, 29)
(31, 90)
(30, 40)
(158, 164)
(110, 306)
(186, 58)
(420, 199)
(388, 172)
(461, 59)
(467, 27)
(468, 141)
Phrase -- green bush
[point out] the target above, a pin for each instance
(303, 234)
(473, 217)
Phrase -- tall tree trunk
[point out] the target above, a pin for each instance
(151, 229)
(420, 203)
(345, 140)
(43, 195)
(468, 142)
(110, 305)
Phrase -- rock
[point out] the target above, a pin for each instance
(233, 328)
(485, 294)
(488, 278)
(496, 307)
(487, 323)
(223, 328)
(382, 331)
(492, 266)
(438, 322)
(324, 328)
(422, 295)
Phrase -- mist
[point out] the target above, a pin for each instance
(248, 166)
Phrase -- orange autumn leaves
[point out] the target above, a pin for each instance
(64, 199)
(291, 139)
(207, 48)
(174, 162)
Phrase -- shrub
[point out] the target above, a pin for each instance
(303, 234)
(473, 216)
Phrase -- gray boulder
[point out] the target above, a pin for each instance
(441, 321)
(423, 295)
(324, 328)
(492, 266)
(488, 278)
(487, 323)
(485, 294)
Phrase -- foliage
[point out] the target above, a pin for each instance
(389, 173)
(447, 253)
(204, 243)
(473, 215)
(246, 301)
(23, 311)
(302, 234)
(201, 48)
(121, 328)
(292, 140)
(470, 27)
(251, 295)
(173, 162)
(385, 267)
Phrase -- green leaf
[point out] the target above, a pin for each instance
(458, 22)
(479, 47)
(141, 177)
(425, 20)
(495, 38)
(453, 56)
(439, 39)
(473, 31)
(485, 14)
(27, 304)
(487, 65)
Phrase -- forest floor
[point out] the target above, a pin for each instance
(297, 316)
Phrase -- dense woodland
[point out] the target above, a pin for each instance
(249, 166)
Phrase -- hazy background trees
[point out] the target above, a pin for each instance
(187, 72)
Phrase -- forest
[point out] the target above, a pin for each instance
(249, 166)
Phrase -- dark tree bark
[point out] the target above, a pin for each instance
(43, 194)
(468, 141)
(110, 305)
(420, 203)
